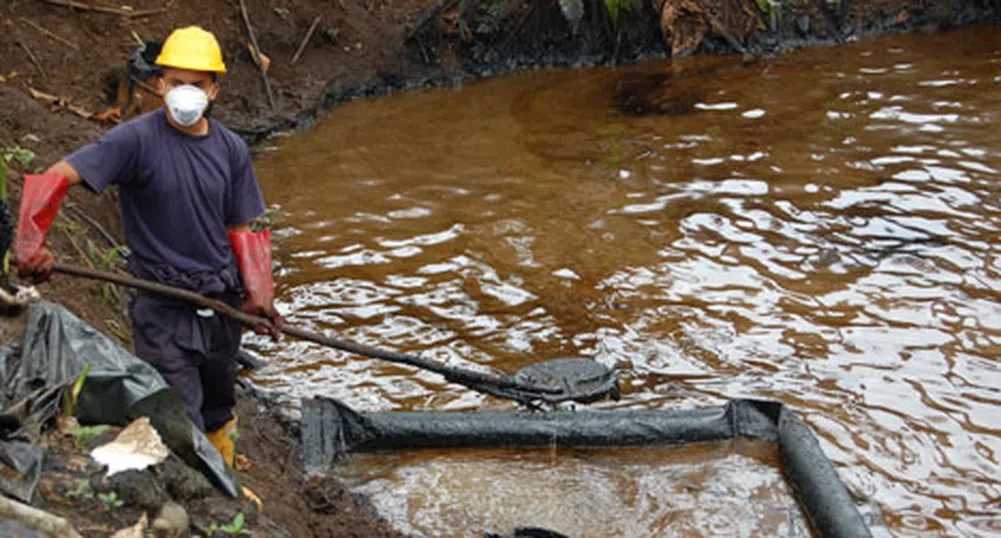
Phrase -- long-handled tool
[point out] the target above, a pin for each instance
(552, 381)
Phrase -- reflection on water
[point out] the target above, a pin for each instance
(730, 489)
(819, 228)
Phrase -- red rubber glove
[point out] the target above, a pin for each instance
(43, 194)
(253, 257)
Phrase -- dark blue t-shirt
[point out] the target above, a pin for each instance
(178, 192)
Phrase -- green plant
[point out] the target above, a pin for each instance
(110, 500)
(616, 8)
(97, 258)
(75, 233)
(21, 157)
(84, 434)
(70, 396)
(18, 155)
(772, 10)
(119, 331)
(82, 490)
(237, 527)
(107, 261)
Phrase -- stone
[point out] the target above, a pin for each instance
(139, 489)
(184, 483)
(171, 522)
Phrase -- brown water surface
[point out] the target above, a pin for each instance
(726, 489)
(820, 228)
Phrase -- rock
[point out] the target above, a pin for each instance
(139, 489)
(171, 522)
(184, 483)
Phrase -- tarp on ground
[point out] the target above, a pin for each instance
(119, 388)
(331, 430)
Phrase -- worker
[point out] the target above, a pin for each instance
(188, 197)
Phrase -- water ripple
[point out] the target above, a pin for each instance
(822, 229)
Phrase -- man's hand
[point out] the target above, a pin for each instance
(37, 268)
(276, 321)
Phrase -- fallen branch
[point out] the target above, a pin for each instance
(66, 42)
(59, 103)
(32, 58)
(107, 9)
(309, 34)
(257, 55)
(37, 519)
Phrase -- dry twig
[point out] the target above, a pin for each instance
(309, 34)
(257, 55)
(31, 56)
(58, 103)
(66, 42)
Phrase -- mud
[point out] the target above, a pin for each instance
(372, 48)
(72, 486)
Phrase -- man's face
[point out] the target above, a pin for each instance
(202, 80)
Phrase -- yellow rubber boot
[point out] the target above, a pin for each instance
(224, 440)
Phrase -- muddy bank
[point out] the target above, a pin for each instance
(452, 42)
(363, 48)
(74, 486)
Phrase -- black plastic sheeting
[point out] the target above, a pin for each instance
(330, 430)
(119, 388)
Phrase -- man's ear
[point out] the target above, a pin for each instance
(160, 87)
(213, 91)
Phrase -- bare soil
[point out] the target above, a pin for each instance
(360, 48)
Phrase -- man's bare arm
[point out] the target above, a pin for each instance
(66, 170)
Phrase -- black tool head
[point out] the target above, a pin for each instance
(579, 380)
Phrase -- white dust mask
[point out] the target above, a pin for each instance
(186, 103)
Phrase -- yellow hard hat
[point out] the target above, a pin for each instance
(192, 48)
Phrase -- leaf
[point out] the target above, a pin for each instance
(573, 12)
(22, 157)
(236, 527)
(613, 11)
(69, 397)
(110, 255)
(78, 384)
(88, 431)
